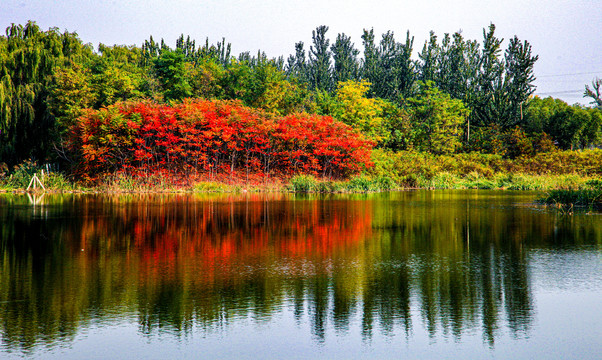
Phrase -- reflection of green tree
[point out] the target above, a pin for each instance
(471, 264)
(318, 296)
(178, 261)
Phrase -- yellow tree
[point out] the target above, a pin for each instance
(357, 110)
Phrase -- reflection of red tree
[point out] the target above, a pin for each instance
(218, 238)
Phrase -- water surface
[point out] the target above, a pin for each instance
(421, 274)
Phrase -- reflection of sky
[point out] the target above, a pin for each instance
(567, 292)
(566, 334)
(574, 270)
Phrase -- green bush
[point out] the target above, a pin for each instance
(22, 174)
(303, 183)
(559, 169)
(212, 186)
(330, 186)
(384, 183)
(58, 181)
(592, 198)
(361, 184)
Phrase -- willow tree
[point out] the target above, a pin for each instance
(28, 58)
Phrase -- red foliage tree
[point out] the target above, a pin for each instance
(213, 137)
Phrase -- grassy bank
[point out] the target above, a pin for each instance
(310, 184)
(545, 171)
(566, 170)
(588, 196)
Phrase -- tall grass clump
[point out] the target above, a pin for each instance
(589, 196)
(303, 183)
(20, 177)
(474, 180)
(123, 182)
(56, 181)
(331, 186)
(442, 180)
(363, 183)
(360, 183)
(214, 186)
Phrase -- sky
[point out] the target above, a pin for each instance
(567, 35)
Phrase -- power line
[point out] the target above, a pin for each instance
(573, 74)
(567, 92)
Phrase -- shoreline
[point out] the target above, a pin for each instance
(586, 197)
(319, 187)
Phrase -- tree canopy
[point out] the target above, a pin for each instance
(454, 89)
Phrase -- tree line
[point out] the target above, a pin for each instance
(457, 95)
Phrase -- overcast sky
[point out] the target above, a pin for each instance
(567, 35)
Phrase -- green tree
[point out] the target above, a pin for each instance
(363, 113)
(427, 65)
(170, 71)
(595, 92)
(297, 67)
(488, 96)
(502, 85)
(389, 66)
(346, 65)
(28, 58)
(261, 83)
(206, 78)
(458, 65)
(570, 126)
(370, 63)
(437, 120)
(518, 81)
(70, 93)
(117, 75)
(320, 60)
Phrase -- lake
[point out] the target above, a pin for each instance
(415, 274)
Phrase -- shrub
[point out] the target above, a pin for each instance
(213, 137)
(303, 183)
(361, 184)
(591, 197)
(384, 183)
(213, 186)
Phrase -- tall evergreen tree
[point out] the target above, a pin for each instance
(486, 106)
(518, 80)
(370, 63)
(389, 66)
(346, 65)
(405, 67)
(427, 65)
(297, 67)
(320, 60)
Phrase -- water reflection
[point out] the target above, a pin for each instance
(453, 262)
